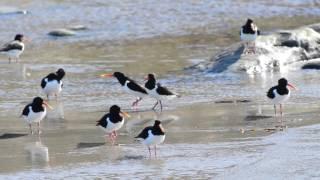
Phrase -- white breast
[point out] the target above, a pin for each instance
(248, 37)
(113, 126)
(52, 87)
(35, 117)
(279, 99)
(153, 140)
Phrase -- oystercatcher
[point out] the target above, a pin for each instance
(52, 83)
(248, 34)
(279, 94)
(14, 48)
(35, 112)
(112, 121)
(129, 86)
(157, 91)
(152, 135)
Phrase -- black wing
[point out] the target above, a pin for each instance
(270, 93)
(103, 121)
(25, 111)
(43, 83)
(144, 133)
(12, 46)
(163, 90)
(136, 87)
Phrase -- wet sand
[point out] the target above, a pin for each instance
(75, 141)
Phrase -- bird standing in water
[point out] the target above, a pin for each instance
(152, 136)
(35, 112)
(129, 86)
(157, 91)
(52, 83)
(14, 48)
(248, 33)
(279, 94)
(112, 122)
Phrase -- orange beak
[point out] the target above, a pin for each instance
(47, 105)
(161, 127)
(292, 87)
(146, 78)
(106, 75)
(125, 114)
(26, 39)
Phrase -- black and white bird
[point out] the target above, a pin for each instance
(129, 86)
(112, 122)
(52, 83)
(279, 94)
(152, 136)
(35, 112)
(248, 33)
(14, 48)
(157, 91)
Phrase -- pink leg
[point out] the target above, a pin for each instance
(155, 151)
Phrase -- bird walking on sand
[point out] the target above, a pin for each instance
(129, 86)
(15, 48)
(279, 94)
(157, 91)
(152, 136)
(52, 83)
(248, 33)
(112, 122)
(35, 112)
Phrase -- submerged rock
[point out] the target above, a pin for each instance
(78, 28)
(11, 135)
(11, 10)
(89, 145)
(62, 32)
(70, 31)
(273, 52)
(311, 66)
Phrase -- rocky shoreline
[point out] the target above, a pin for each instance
(274, 52)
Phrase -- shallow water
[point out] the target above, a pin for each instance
(138, 38)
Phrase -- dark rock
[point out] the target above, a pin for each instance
(89, 145)
(311, 66)
(131, 157)
(11, 135)
(11, 10)
(232, 101)
(256, 117)
(62, 33)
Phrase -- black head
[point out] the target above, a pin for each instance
(157, 123)
(37, 101)
(115, 109)
(18, 37)
(151, 76)
(282, 82)
(60, 73)
(249, 21)
(120, 76)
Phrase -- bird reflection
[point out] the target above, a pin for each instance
(38, 153)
